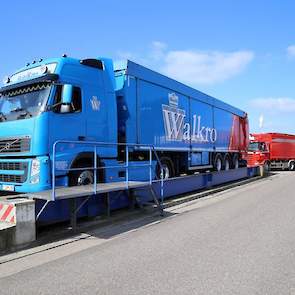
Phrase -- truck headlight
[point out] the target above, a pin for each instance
(35, 171)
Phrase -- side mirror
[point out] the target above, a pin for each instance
(67, 94)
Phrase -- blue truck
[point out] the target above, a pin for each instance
(93, 100)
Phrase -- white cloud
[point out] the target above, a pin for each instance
(275, 105)
(194, 67)
(291, 51)
(158, 50)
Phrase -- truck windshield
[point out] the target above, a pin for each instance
(257, 146)
(24, 102)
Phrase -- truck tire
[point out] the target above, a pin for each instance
(217, 163)
(235, 162)
(266, 168)
(168, 168)
(226, 162)
(291, 165)
(81, 177)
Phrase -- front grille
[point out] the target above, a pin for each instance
(15, 145)
(251, 160)
(11, 165)
(11, 178)
(14, 166)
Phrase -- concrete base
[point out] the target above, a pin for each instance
(6, 233)
(24, 231)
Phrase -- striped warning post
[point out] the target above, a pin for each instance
(7, 213)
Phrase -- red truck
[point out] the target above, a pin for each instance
(272, 150)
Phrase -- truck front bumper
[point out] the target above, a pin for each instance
(25, 175)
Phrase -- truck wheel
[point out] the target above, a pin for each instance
(266, 167)
(168, 168)
(226, 163)
(217, 164)
(235, 162)
(83, 177)
(292, 166)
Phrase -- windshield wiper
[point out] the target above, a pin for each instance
(22, 115)
(18, 109)
(2, 117)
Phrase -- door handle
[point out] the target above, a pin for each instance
(81, 138)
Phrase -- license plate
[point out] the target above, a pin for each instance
(7, 187)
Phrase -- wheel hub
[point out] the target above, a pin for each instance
(218, 164)
(165, 172)
(86, 177)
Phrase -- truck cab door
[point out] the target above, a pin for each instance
(96, 115)
(67, 124)
(101, 120)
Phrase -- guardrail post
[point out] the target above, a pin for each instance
(150, 166)
(95, 171)
(162, 185)
(127, 165)
(162, 175)
(53, 172)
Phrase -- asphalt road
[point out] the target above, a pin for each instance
(238, 242)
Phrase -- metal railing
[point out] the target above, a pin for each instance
(128, 147)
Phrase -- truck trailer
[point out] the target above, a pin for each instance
(272, 150)
(95, 100)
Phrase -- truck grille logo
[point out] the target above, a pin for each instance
(8, 145)
(15, 145)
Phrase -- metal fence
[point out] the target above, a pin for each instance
(152, 155)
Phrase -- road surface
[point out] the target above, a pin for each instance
(237, 242)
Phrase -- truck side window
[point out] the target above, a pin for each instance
(77, 101)
(76, 105)
(263, 147)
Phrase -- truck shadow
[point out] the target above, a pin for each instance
(120, 222)
(279, 172)
(146, 219)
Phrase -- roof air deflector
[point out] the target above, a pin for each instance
(91, 62)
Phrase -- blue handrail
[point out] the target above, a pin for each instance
(151, 149)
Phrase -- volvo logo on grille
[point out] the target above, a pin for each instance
(8, 145)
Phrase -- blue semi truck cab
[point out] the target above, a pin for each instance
(49, 100)
(88, 100)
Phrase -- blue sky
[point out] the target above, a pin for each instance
(242, 52)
